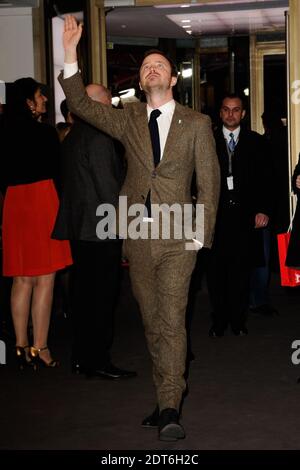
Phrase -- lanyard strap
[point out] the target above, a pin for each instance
(230, 155)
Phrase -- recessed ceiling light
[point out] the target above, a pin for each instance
(186, 26)
(185, 21)
(189, 31)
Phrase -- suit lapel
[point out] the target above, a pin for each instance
(143, 129)
(176, 129)
(174, 135)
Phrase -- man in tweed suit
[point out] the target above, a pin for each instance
(160, 269)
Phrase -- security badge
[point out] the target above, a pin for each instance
(230, 182)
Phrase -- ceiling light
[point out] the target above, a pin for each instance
(185, 6)
(185, 21)
(187, 73)
(188, 31)
(119, 3)
(186, 26)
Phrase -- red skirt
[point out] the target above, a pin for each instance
(29, 214)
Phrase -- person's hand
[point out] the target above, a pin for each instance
(298, 182)
(261, 220)
(71, 37)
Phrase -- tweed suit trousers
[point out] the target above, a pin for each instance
(160, 272)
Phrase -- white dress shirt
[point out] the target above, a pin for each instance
(163, 122)
(236, 133)
(70, 69)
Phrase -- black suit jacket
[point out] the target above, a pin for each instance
(251, 175)
(92, 174)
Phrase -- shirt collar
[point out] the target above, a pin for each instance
(227, 132)
(165, 108)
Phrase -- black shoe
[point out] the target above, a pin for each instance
(152, 420)
(169, 428)
(240, 331)
(215, 333)
(110, 372)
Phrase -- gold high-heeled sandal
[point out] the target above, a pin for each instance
(23, 359)
(37, 360)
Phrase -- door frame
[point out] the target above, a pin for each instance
(257, 53)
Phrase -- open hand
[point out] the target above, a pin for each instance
(72, 34)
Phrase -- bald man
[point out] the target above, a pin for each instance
(92, 174)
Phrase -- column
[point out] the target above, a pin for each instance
(98, 41)
(294, 79)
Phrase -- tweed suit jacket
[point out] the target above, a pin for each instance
(190, 147)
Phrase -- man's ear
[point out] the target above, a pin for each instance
(173, 81)
(141, 88)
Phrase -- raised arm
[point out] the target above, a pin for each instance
(71, 37)
(109, 120)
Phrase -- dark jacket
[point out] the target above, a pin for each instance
(250, 172)
(251, 194)
(92, 174)
(29, 152)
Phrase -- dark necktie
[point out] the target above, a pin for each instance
(231, 143)
(154, 133)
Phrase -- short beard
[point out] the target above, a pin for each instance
(158, 88)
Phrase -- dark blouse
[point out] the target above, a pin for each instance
(29, 152)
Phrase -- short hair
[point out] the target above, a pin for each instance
(174, 71)
(233, 96)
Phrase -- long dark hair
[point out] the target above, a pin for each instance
(17, 96)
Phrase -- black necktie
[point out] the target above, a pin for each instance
(154, 133)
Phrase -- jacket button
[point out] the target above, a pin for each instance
(153, 174)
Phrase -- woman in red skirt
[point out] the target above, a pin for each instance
(29, 167)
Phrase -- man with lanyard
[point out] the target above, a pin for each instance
(243, 208)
